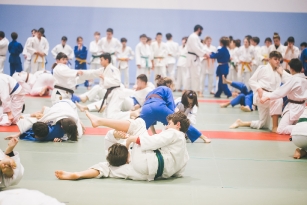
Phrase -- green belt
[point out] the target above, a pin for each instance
(93, 56)
(302, 120)
(160, 164)
(183, 56)
(112, 53)
(146, 59)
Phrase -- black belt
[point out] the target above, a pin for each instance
(65, 89)
(296, 102)
(266, 90)
(2, 55)
(194, 55)
(109, 90)
(160, 163)
(15, 88)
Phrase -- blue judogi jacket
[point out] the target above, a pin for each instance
(15, 49)
(304, 59)
(55, 131)
(222, 56)
(81, 54)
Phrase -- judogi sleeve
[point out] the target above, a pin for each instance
(54, 52)
(5, 96)
(215, 55)
(138, 55)
(253, 81)
(3, 43)
(192, 115)
(25, 124)
(282, 91)
(195, 46)
(46, 48)
(170, 100)
(30, 49)
(157, 141)
(71, 54)
(131, 54)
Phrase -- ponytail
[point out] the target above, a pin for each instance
(70, 128)
(53, 66)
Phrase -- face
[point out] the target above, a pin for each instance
(302, 48)
(80, 41)
(232, 45)
(140, 84)
(149, 42)
(199, 32)
(183, 42)
(290, 45)
(208, 41)
(276, 41)
(109, 35)
(171, 86)
(159, 38)
(62, 60)
(190, 101)
(124, 44)
(275, 62)
(172, 125)
(97, 37)
(33, 33)
(268, 43)
(246, 43)
(63, 43)
(253, 42)
(104, 62)
(143, 40)
(38, 34)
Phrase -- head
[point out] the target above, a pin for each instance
(14, 36)
(224, 41)
(178, 121)
(184, 40)
(189, 99)
(198, 29)
(70, 128)
(105, 59)
(40, 32)
(255, 41)
(295, 66)
(249, 37)
(61, 58)
(64, 40)
(230, 38)
(143, 38)
(141, 81)
(303, 45)
(159, 37)
(118, 155)
(268, 41)
(169, 36)
(286, 43)
(232, 44)
(96, 36)
(33, 32)
(2, 35)
(149, 40)
(168, 82)
(246, 42)
(274, 59)
(109, 33)
(40, 130)
(123, 41)
(207, 40)
(291, 41)
(276, 39)
(238, 43)
(79, 41)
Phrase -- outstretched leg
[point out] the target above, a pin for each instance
(82, 108)
(240, 123)
(87, 174)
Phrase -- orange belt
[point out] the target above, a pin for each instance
(246, 64)
(287, 61)
(81, 61)
(43, 63)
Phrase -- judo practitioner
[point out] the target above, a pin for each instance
(15, 49)
(143, 57)
(160, 52)
(290, 53)
(124, 55)
(38, 47)
(277, 46)
(295, 88)
(172, 48)
(26, 54)
(64, 48)
(304, 57)
(233, 48)
(11, 169)
(81, 54)
(299, 136)
(4, 43)
(264, 51)
(195, 51)
(265, 80)
(181, 66)
(110, 44)
(95, 51)
(257, 53)
(159, 156)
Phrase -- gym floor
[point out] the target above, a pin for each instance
(241, 166)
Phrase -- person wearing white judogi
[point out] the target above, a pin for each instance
(159, 156)
(110, 45)
(143, 57)
(11, 169)
(95, 51)
(265, 80)
(264, 51)
(64, 48)
(4, 43)
(38, 47)
(181, 66)
(124, 55)
(159, 56)
(233, 48)
(26, 54)
(277, 46)
(172, 48)
(299, 136)
(290, 53)
(245, 54)
(12, 96)
(295, 88)
(195, 52)
(207, 67)
(257, 53)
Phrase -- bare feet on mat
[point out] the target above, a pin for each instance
(274, 129)
(224, 105)
(245, 109)
(66, 175)
(135, 114)
(206, 139)
(83, 98)
(82, 108)
(212, 93)
(299, 153)
(94, 119)
(236, 124)
(234, 94)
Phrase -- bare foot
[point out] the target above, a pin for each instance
(224, 105)
(43, 91)
(94, 119)
(299, 153)
(82, 108)
(245, 109)
(120, 135)
(135, 114)
(7, 170)
(224, 79)
(206, 139)
(274, 129)
(235, 94)
(236, 124)
(212, 93)
(66, 175)
(83, 99)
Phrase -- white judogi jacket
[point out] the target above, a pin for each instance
(66, 49)
(143, 55)
(289, 54)
(159, 51)
(300, 128)
(25, 50)
(257, 59)
(208, 64)
(95, 50)
(36, 45)
(18, 172)
(182, 56)
(110, 46)
(126, 53)
(195, 46)
(4, 43)
(234, 57)
(281, 49)
(245, 55)
(191, 113)
(172, 48)
(264, 53)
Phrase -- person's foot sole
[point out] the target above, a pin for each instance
(236, 124)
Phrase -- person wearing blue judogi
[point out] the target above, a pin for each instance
(15, 49)
(223, 57)
(245, 98)
(81, 54)
(304, 56)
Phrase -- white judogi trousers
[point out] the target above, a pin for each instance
(96, 93)
(181, 77)
(125, 79)
(2, 60)
(36, 66)
(170, 71)
(160, 70)
(27, 65)
(193, 73)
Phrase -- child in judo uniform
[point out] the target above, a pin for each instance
(15, 49)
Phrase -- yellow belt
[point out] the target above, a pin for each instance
(287, 62)
(43, 63)
(265, 62)
(246, 64)
(81, 61)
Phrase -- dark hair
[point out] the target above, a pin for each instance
(286, 43)
(296, 65)
(60, 56)
(224, 41)
(14, 35)
(268, 39)
(191, 95)
(143, 78)
(303, 44)
(33, 30)
(275, 54)
(168, 36)
(186, 39)
(106, 56)
(40, 129)
(159, 34)
(148, 39)
(249, 37)
(198, 27)
(110, 30)
(248, 40)
(143, 36)
(163, 81)
(291, 39)
(70, 128)
(276, 36)
(97, 33)
(237, 42)
(2, 34)
(182, 118)
(230, 38)
(64, 38)
(79, 37)
(256, 39)
(123, 40)
(41, 30)
(118, 155)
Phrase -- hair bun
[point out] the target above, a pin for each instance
(158, 77)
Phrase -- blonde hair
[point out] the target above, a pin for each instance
(207, 38)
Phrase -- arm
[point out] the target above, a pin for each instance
(3, 43)
(170, 100)
(138, 55)
(71, 54)
(192, 115)
(46, 49)
(157, 141)
(29, 47)
(54, 52)
(20, 49)
(196, 46)
(131, 56)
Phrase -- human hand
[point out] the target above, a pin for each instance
(139, 66)
(260, 92)
(57, 140)
(264, 99)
